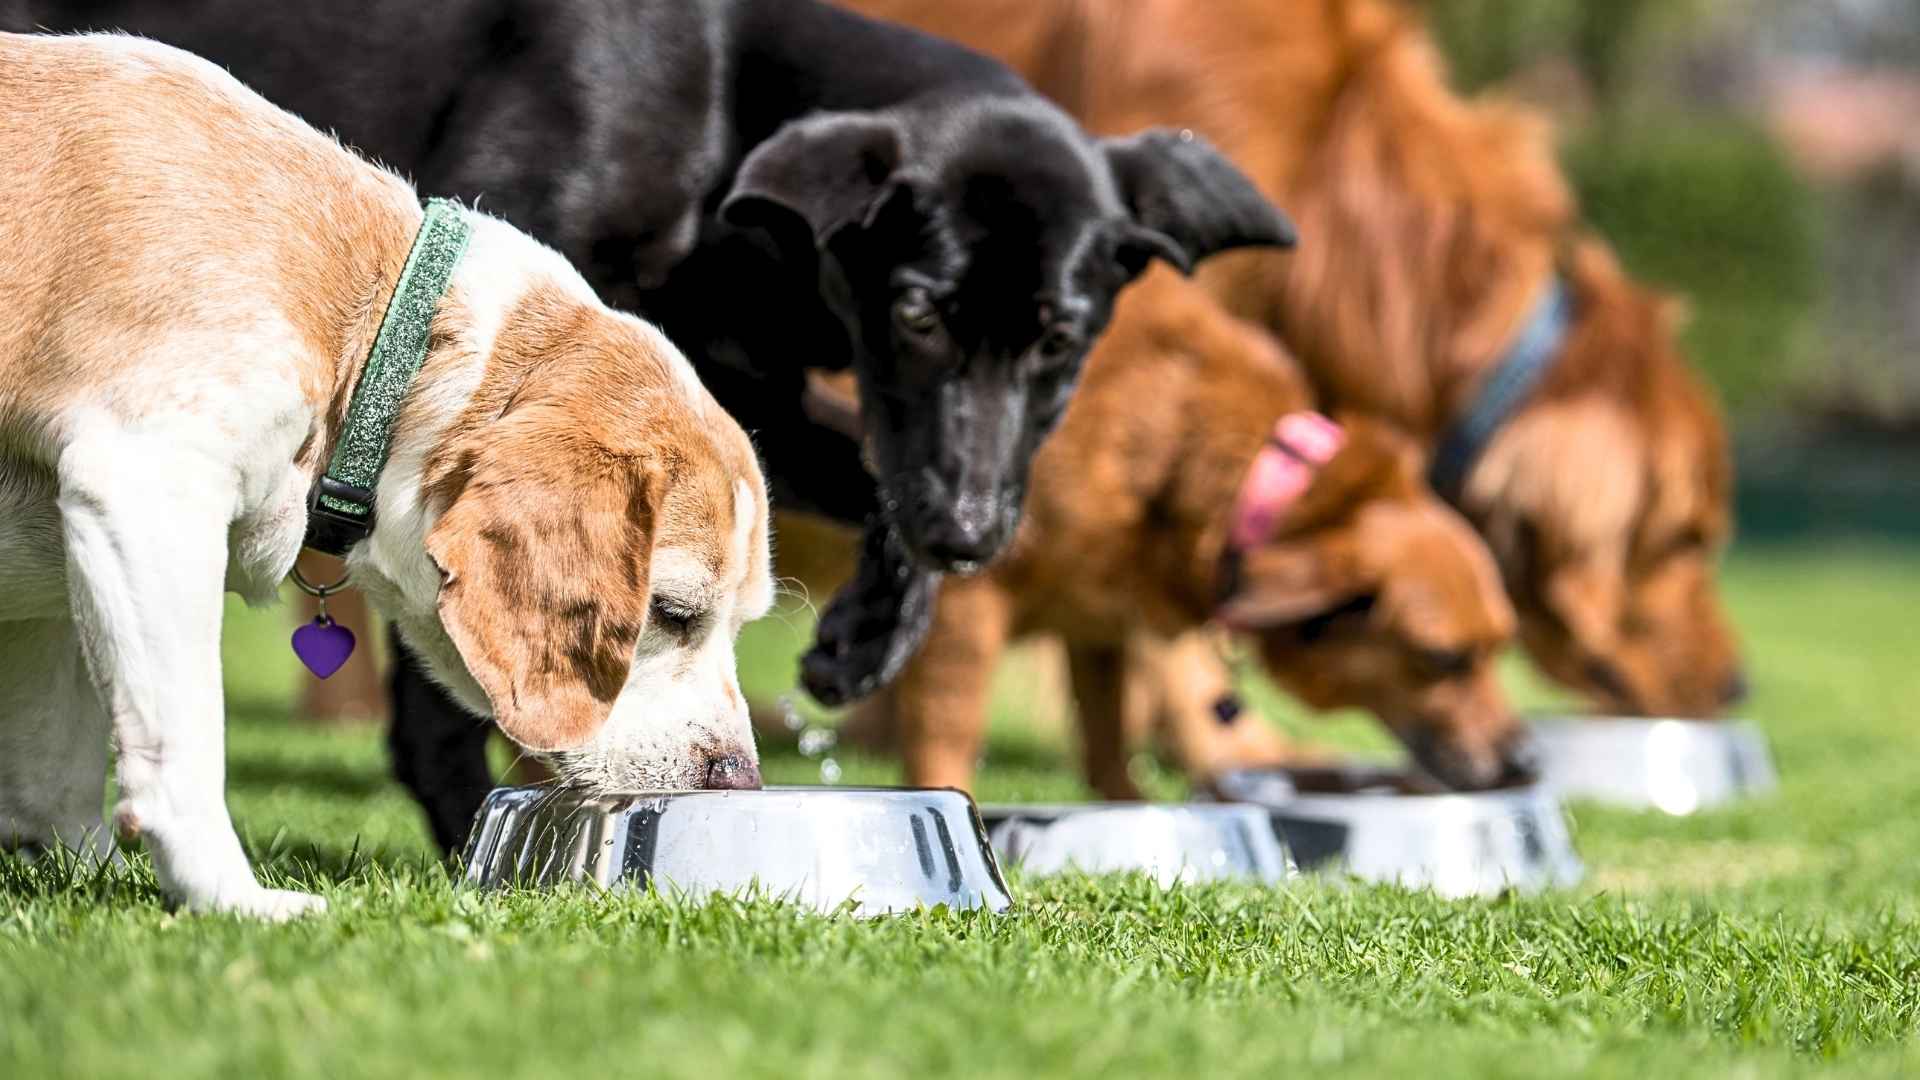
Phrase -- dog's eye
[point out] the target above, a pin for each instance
(1689, 541)
(1446, 663)
(916, 314)
(1057, 343)
(676, 618)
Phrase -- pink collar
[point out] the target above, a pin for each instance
(1301, 443)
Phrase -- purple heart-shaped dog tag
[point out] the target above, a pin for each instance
(323, 645)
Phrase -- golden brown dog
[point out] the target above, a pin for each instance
(1367, 591)
(1432, 226)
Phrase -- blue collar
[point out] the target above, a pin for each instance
(1513, 380)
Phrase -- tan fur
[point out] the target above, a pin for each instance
(1429, 226)
(90, 252)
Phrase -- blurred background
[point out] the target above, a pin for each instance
(1761, 158)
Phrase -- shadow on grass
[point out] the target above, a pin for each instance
(309, 774)
(1001, 751)
(129, 880)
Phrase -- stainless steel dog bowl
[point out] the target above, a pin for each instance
(1197, 842)
(1381, 825)
(1678, 766)
(886, 850)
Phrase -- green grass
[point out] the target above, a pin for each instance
(1775, 938)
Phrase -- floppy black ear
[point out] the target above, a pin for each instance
(1188, 201)
(816, 176)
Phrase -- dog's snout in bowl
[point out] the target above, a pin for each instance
(1463, 763)
(732, 772)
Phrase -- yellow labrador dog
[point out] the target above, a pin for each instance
(567, 526)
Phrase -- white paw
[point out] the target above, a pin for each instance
(273, 905)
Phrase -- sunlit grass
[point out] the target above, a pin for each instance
(1771, 938)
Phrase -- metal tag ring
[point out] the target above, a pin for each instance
(318, 591)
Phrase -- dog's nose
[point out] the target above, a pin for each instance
(962, 534)
(1464, 766)
(1735, 690)
(732, 772)
(962, 545)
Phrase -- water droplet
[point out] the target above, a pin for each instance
(790, 713)
(829, 771)
(817, 740)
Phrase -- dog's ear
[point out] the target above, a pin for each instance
(1289, 582)
(1317, 564)
(815, 177)
(544, 556)
(1187, 201)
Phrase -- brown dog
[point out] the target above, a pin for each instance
(1364, 590)
(1434, 226)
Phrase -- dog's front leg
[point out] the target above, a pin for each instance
(875, 623)
(145, 525)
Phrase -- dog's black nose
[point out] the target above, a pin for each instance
(961, 536)
(731, 772)
(1735, 690)
(962, 550)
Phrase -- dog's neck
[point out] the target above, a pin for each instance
(369, 253)
(1239, 384)
(500, 266)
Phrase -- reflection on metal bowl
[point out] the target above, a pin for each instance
(885, 850)
(1384, 825)
(1173, 844)
(1678, 766)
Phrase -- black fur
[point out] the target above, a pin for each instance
(781, 185)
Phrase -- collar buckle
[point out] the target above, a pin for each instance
(339, 515)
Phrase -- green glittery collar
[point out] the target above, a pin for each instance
(340, 509)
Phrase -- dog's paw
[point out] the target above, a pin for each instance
(873, 626)
(271, 905)
(857, 656)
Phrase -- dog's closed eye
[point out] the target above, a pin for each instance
(1057, 343)
(675, 616)
(1445, 663)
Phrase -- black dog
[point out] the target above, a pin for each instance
(781, 185)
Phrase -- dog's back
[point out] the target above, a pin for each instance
(135, 172)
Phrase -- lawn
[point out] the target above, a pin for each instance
(1779, 937)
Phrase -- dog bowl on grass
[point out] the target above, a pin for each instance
(1381, 825)
(887, 850)
(1199, 842)
(1678, 766)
